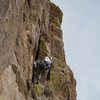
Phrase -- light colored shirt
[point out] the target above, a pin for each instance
(47, 59)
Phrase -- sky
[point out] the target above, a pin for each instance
(81, 35)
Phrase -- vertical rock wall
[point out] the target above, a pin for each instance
(29, 30)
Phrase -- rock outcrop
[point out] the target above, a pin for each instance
(30, 30)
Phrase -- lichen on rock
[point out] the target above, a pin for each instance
(42, 49)
(38, 90)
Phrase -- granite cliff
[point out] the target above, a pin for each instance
(30, 30)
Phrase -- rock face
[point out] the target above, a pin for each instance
(30, 30)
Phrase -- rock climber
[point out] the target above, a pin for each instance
(41, 67)
(45, 64)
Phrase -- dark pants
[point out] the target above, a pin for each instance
(48, 75)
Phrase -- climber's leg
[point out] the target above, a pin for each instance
(48, 75)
